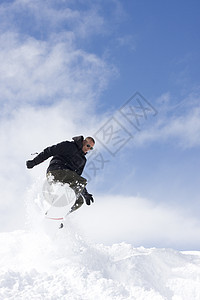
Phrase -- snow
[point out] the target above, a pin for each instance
(64, 265)
(47, 263)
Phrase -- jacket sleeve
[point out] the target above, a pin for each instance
(58, 149)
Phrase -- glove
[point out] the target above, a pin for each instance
(30, 164)
(88, 198)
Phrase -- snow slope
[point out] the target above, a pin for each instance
(63, 265)
(47, 263)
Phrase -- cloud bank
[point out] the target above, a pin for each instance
(49, 89)
(176, 123)
(139, 221)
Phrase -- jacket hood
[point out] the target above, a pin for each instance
(78, 141)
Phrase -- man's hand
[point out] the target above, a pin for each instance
(88, 198)
(30, 164)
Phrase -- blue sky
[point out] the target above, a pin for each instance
(67, 67)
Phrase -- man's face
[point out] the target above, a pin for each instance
(87, 145)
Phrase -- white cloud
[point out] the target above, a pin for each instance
(44, 69)
(48, 94)
(43, 18)
(37, 71)
(186, 128)
(127, 41)
(139, 221)
(178, 123)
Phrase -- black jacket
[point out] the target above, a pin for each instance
(66, 155)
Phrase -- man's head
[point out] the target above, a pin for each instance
(88, 144)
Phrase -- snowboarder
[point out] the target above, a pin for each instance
(67, 165)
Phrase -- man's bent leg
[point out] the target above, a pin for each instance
(76, 182)
(79, 202)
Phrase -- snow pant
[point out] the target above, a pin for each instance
(76, 182)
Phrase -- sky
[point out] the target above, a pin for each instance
(125, 72)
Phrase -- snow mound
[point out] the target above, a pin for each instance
(34, 265)
(47, 263)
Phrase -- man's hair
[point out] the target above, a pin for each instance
(90, 138)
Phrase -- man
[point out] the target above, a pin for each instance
(67, 165)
